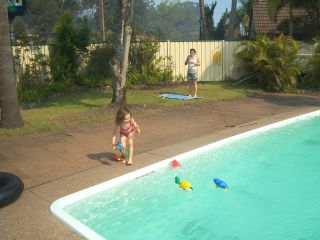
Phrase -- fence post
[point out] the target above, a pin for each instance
(167, 57)
(222, 61)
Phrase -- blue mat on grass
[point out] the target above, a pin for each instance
(177, 96)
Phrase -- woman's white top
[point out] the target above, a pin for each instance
(192, 64)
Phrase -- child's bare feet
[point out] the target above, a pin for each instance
(129, 162)
(123, 159)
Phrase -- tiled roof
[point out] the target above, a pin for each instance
(261, 19)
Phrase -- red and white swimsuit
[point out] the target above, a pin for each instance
(127, 132)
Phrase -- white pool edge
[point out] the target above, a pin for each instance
(57, 206)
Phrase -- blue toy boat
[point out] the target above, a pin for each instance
(220, 184)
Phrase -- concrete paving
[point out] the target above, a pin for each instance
(53, 165)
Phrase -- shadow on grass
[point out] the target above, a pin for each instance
(85, 99)
(279, 98)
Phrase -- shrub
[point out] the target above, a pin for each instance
(145, 67)
(34, 72)
(37, 93)
(96, 71)
(312, 78)
(70, 42)
(273, 62)
(95, 81)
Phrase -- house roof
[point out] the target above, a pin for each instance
(261, 19)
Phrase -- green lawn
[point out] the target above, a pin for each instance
(84, 108)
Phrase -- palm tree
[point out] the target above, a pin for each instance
(9, 106)
(245, 13)
(273, 62)
(209, 19)
(232, 22)
(203, 22)
(275, 5)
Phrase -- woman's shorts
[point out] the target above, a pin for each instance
(193, 76)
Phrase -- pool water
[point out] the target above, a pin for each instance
(274, 194)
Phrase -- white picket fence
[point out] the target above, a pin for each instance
(217, 57)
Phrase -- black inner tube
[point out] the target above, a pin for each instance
(11, 188)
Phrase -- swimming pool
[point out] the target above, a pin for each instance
(272, 172)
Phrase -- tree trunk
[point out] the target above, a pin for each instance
(10, 116)
(291, 6)
(101, 20)
(318, 17)
(209, 20)
(203, 22)
(232, 22)
(119, 63)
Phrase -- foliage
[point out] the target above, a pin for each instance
(209, 11)
(19, 31)
(34, 85)
(145, 67)
(273, 62)
(243, 15)
(302, 27)
(169, 20)
(141, 17)
(313, 9)
(305, 27)
(95, 81)
(222, 27)
(37, 93)
(70, 42)
(176, 21)
(97, 63)
(312, 78)
(34, 71)
(42, 16)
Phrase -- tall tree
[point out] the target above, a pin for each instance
(176, 21)
(232, 22)
(70, 43)
(41, 18)
(119, 63)
(209, 19)
(245, 15)
(19, 30)
(10, 111)
(68, 5)
(222, 27)
(203, 22)
(274, 7)
(313, 9)
(101, 20)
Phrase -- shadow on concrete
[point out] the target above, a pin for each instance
(290, 99)
(103, 157)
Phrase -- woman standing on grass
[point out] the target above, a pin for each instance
(192, 75)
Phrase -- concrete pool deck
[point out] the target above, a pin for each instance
(54, 165)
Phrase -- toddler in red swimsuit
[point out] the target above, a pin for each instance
(126, 125)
